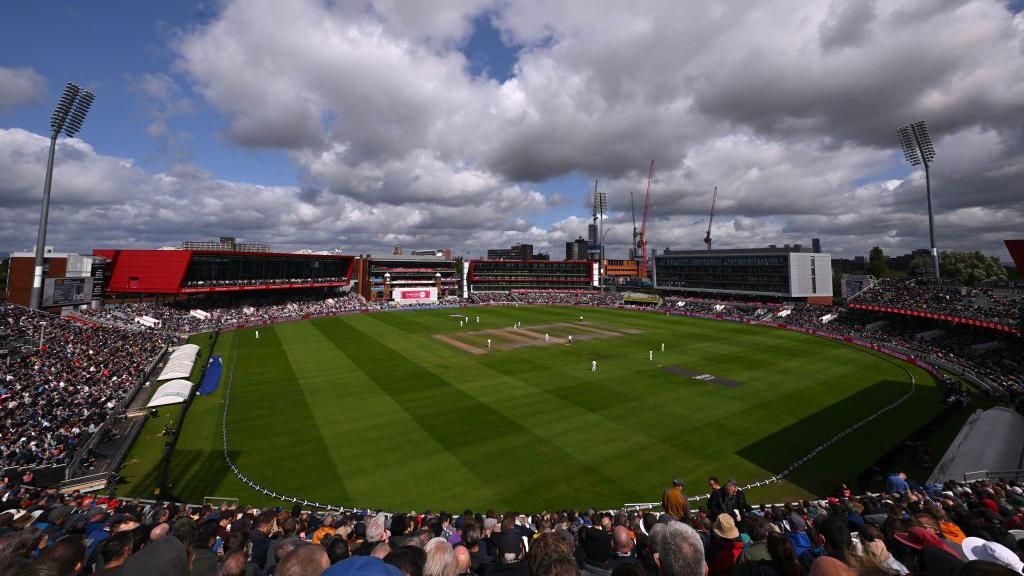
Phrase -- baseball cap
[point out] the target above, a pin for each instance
(362, 566)
(978, 549)
(797, 523)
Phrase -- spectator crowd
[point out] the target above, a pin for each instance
(952, 529)
(997, 305)
(62, 380)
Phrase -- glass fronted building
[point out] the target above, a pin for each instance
(506, 275)
(786, 273)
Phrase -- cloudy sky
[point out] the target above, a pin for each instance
(473, 124)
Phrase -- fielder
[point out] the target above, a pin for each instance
(593, 365)
(460, 323)
(257, 334)
(488, 343)
(477, 319)
(662, 346)
(570, 338)
(545, 336)
(650, 354)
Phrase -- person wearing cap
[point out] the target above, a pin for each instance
(511, 556)
(362, 566)
(797, 534)
(53, 527)
(978, 549)
(929, 555)
(674, 501)
(725, 546)
(928, 522)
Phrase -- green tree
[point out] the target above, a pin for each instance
(970, 268)
(877, 266)
(920, 266)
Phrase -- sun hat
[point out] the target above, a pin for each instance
(978, 549)
(921, 538)
(725, 527)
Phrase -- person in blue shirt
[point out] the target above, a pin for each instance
(897, 484)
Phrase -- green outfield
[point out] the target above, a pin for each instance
(406, 410)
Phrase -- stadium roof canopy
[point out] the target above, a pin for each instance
(991, 440)
(179, 365)
(173, 392)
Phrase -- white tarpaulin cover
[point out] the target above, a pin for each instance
(179, 365)
(173, 392)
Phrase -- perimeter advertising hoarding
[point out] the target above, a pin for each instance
(415, 295)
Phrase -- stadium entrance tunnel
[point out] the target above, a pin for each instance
(855, 452)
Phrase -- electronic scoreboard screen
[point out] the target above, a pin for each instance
(67, 291)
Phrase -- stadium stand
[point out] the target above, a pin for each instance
(56, 395)
(953, 527)
(992, 305)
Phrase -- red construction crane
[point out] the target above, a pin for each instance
(641, 245)
(707, 237)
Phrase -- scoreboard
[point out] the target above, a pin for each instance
(67, 291)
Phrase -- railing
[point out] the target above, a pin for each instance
(989, 474)
(76, 462)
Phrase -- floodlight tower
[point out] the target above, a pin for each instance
(67, 117)
(600, 209)
(918, 150)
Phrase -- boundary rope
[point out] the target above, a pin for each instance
(771, 480)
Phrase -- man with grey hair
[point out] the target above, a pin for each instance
(375, 534)
(440, 558)
(679, 551)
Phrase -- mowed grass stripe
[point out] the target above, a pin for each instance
(271, 426)
(522, 466)
(704, 440)
(577, 428)
(353, 414)
(415, 442)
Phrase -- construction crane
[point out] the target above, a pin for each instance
(707, 237)
(632, 209)
(641, 244)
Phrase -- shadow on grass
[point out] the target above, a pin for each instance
(198, 473)
(848, 457)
